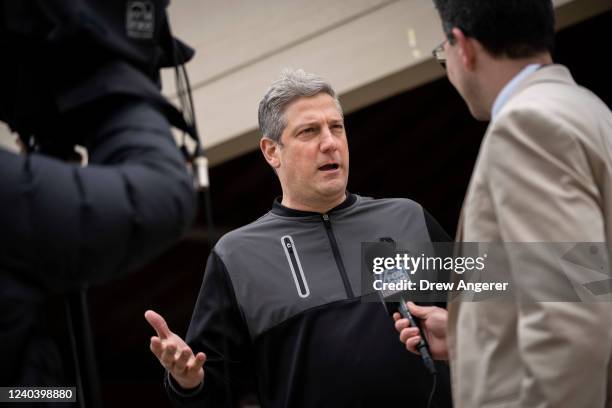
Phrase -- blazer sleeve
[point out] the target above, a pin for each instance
(543, 191)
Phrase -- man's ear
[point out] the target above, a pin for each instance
(466, 47)
(270, 150)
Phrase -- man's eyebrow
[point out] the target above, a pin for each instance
(306, 123)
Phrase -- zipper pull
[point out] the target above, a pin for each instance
(326, 220)
(288, 245)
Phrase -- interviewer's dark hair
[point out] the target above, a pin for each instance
(511, 28)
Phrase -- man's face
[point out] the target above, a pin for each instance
(313, 161)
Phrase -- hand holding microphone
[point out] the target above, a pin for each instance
(433, 325)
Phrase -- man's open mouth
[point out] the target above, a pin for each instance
(328, 167)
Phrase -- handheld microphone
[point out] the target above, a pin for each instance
(397, 276)
(423, 346)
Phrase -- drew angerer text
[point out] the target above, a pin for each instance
(424, 285)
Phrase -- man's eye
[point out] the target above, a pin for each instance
(309, 130)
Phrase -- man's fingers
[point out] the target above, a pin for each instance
(408, 333)
(158, 323)
(156, 346)
(168, 356)
(197, 362)
(397, 316)
(183, 359)
(401, 324)
(412, 343)
(195, 367)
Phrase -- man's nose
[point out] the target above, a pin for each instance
(328, 141)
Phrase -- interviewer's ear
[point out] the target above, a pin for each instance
(467, 47)
(270, 150)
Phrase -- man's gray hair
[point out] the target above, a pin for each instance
(291, 85)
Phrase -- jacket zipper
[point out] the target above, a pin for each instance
(337, 257)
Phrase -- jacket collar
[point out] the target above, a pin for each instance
(546, 73)
(279, 209)
(509, 88)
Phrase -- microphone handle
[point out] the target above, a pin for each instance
(423, 346)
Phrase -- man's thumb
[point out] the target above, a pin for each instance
(158, 323)
(418, 311)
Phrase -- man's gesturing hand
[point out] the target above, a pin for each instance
(174, 354)
(433, 323)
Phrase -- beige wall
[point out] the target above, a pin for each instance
(7, 140)
(369, 50)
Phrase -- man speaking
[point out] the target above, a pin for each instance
(281, 302)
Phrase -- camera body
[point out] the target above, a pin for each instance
(64, 55)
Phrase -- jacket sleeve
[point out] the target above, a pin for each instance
(543, 191)
(63, 225)
(219, 330)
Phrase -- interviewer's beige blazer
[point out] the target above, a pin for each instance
(543, 174)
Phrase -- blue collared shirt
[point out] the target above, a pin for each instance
(510, 87)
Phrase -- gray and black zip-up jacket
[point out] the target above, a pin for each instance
(280, 302)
